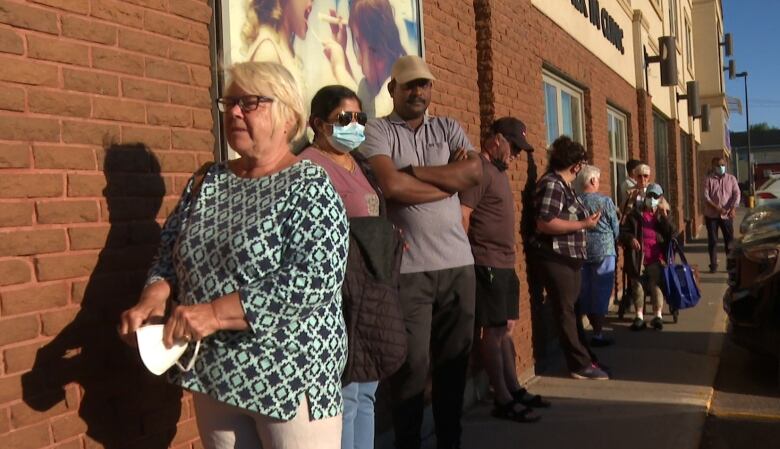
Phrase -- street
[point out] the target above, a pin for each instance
(684, 387)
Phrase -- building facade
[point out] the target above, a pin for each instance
(106, 109)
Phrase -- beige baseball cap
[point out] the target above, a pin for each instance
(410, 67)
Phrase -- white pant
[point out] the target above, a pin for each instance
(224, 426)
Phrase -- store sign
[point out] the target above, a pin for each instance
(602, 20)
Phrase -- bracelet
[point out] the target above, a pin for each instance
(216, 317)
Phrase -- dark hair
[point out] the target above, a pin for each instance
(327, 99)
(632, 164)
(374, 19)
(718, 159)
(565, 153)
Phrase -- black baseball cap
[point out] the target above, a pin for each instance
(514, 131)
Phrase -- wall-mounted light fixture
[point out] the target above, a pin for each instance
(727, 44)
(731, 68)
(705, 118)
(692, 95)
(667, 58)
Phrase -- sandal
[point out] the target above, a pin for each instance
(516, 412)
(530, 400)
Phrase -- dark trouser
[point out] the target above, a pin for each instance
(562, 283)
(726, 226)
(439, 313)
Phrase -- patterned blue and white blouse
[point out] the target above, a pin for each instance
(601, 239)
(281, 242)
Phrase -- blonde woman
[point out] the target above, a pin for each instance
(270, 31)
(256, 255)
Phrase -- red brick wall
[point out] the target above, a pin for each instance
(450, 35)
(521, 41)
(104, 113)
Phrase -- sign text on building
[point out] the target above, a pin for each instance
(601, 19)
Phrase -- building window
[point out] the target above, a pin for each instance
(618, 151)
(689, 45)
(673, 18)
(661, 138)
(563, 110)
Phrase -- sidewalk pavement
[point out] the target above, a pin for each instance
(658, 397)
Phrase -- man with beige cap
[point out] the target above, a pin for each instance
(421, 163)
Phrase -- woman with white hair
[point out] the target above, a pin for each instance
(255, 254)
(598, 272)
(635, 196)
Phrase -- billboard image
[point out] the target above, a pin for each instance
(349, 42)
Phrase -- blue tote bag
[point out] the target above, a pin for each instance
(679, 282)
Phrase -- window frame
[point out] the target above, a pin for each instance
(615, 162)
(563, 86)
(689, 45)
(661, 152)
(674, 18)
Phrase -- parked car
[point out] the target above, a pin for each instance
(752, 299)
(760, 216)
(769, 192)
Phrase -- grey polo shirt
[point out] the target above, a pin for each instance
(432, 230)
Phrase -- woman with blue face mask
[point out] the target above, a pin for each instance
(375, 327)
(338, 123)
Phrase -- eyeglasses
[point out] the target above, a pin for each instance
(247, 103)
(346, 117)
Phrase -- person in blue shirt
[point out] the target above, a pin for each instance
(598, 272)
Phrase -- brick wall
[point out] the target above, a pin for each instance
(674, 191)
(104, 113)
(450, 51)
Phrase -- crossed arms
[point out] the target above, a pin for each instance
(417, 185)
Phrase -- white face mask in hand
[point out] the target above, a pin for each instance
(156, 357)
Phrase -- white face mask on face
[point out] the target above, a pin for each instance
(652, 203)
(156, 357)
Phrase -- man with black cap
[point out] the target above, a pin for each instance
(489, 219)
(421, 164)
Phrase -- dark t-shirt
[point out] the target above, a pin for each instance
(492, 224)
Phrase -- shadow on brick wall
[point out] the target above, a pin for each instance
(119, 402)
(543, 334)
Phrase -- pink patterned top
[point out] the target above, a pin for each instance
(651, 247)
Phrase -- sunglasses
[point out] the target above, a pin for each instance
(653, 195)
(346, 117)
(247, 103)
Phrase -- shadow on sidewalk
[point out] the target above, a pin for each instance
(573, 423)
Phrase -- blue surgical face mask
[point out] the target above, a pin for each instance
(652, 203)
(720, 169)
(347, 138)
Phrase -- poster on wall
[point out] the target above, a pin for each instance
(349, 42)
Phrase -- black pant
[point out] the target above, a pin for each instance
(726, 226)
(439, 313)
(562, 283)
